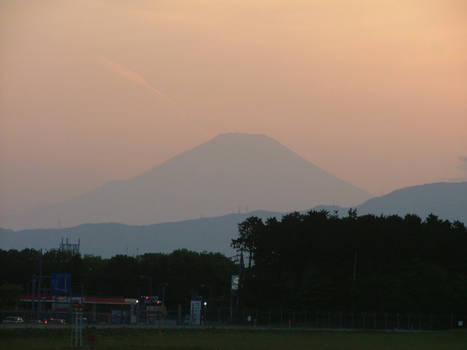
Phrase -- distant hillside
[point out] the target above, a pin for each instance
(446, 200)
(228, 172)
(107, 239)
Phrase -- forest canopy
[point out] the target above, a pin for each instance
(178, 275)
(312, 261)
(319, 261)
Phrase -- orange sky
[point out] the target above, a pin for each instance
(373, 91)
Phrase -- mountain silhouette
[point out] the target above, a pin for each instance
(443, 199)
(109, 239)
(229, 173)
(446, 200)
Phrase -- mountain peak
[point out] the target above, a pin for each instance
(241, 135)
(236, 138)
(228, 173)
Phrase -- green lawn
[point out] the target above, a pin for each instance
(236, 340)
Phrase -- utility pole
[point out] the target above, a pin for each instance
(39, 292)
(241, 278)
(354, 278)
(355, 259)
(163, 291)
(33, 300)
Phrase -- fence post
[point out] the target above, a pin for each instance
(77, 329)
(72, 328)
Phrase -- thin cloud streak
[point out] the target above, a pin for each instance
(130, 75)
(136, 78)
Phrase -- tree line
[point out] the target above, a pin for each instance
(319, 261)
(177, 276)
(312, 261)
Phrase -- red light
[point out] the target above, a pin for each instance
(158, 302)
(147, 297)
(45, 322)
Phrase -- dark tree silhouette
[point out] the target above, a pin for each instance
(368, 263)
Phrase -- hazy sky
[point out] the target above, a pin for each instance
(373, 91)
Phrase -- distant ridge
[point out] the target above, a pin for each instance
(446, 200)
(215, 178)
(108, 239)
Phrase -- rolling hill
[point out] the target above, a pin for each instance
(446, 200)
(108, 239)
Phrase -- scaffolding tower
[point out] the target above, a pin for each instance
(69, 247)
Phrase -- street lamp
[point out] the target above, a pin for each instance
(205, 304)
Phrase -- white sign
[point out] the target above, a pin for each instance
(195, 312)
(235, 282)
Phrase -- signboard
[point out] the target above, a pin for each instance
(61, 307)
(235, 282)
(195, 312)
(153, 310)
(60, 283)
(117, 316)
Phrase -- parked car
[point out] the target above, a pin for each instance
(13, 319)
(53, 320)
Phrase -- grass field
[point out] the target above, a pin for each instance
(234, 339)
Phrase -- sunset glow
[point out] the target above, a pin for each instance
(374, 92)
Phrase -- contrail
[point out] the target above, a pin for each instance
(130, 75)
(138, 79)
